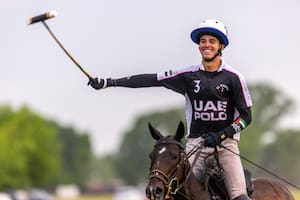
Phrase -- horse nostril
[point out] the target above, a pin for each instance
(155, 192)
(158, 191)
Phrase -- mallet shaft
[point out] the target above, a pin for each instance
(65, 50)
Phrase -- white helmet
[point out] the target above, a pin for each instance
(211, 27)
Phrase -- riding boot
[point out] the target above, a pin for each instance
(242, 197)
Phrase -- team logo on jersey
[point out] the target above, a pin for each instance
(222, 88)
(210, 111)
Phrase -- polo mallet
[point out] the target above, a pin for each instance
(49, 15)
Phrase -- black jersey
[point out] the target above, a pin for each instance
(214, 100)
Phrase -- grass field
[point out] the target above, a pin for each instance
(87, 197)
(108, 197)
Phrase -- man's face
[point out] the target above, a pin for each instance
(209, 46)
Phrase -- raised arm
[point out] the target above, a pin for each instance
(135, 81)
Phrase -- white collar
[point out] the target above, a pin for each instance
(201, 67)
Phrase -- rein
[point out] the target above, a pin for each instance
(262, 168)
(196, 148)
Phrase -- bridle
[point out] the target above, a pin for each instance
(174, 180)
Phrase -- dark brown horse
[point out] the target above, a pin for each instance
(171, 176)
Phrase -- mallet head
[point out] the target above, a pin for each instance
(42, 17)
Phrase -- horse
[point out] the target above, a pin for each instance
(171, 174)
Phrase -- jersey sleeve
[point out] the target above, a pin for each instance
(171, 79)
(243, 120)
(176, 79)
(137, 81)
(241, 94)
(174, 83)
(243, 103)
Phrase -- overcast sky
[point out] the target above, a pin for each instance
(117, 38)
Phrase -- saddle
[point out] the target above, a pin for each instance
(212, 180)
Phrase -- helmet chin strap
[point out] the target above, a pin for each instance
(219, 53)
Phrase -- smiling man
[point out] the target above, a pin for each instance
(218, 103)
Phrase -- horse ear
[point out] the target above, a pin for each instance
(154, 133)
(180, 131)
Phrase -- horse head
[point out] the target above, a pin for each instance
(168, 164)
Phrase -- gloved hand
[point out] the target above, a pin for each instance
(96, 84)
(212, 139)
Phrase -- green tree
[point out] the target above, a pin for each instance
(28, 149)
(37, 153)
(104, 169)
(76, 155)
(281, 156)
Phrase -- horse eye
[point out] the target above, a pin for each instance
(175, 156)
